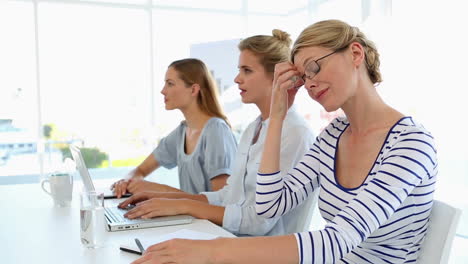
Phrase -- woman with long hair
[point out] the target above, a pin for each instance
(202, 146)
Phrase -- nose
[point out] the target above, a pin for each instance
(310, 84)
(163, 90)
(237, 79)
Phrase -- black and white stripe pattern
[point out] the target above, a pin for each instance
(382, 221)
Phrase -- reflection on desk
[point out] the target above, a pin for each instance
(34, 231)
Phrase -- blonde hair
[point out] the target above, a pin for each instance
(194, 71)
(270, 49)
(338, 35)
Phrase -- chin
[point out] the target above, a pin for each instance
(330, 108)
(245, 100)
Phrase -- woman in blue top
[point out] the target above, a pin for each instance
(202, 146)
(374, 169)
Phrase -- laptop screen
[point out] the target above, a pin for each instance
(82, 169)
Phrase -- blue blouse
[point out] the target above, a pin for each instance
(213, 155)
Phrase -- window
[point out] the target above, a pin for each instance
(18, 93)
(96, 82)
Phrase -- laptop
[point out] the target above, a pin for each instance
(88, 183)
(115, 215)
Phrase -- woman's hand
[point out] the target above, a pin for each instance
(139, 197)
(286, 83)
(139, 185)
(179, 251)
(133, 182)
(122, 186)
(159, 207)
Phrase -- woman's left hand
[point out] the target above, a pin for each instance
(158, 207)
(140, 185)
(179, 251)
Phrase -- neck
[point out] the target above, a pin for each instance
(264, 107)
(195, 118)
(367, 112)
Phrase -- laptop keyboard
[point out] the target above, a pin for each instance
(116, 214)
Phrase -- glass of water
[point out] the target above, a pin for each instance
(92, 220)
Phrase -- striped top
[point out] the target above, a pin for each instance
(382, 221)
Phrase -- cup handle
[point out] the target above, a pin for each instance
(43, 187)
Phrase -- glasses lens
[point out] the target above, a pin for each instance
(311, 69)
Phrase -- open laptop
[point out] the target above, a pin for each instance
(114, 215)
(83, 170)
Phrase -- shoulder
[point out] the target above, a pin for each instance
(248, 133)
(216, 123)
(217, 127)
(179, 129)
(338, 123)
(408, 123)
(409, 131)
(335, 128)
(413, 145)
(253, 123)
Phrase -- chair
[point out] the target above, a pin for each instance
(443, 223)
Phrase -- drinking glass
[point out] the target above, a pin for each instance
(92, 220)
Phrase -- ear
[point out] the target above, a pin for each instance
(358, 53)
(195, 89)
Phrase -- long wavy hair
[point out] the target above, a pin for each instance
(194, 71)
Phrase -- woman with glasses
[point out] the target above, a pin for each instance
(202, 146)
(374, 169)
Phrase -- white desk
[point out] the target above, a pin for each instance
(32, 230)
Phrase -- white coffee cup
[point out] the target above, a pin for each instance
(61, 188)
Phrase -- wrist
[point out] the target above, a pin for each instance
(275, 125)
(154, 187)
(134, 175)
(217, 252)
(138, 173)
(201, 197)
(278, 121)
(187, 206)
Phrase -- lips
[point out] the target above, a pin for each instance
(320, 94)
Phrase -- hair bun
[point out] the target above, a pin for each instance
(282, 36)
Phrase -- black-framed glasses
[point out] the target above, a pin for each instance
(313, 68)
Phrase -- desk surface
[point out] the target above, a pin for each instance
(32, 230)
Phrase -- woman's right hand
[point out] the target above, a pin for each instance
(120, 187)
(181, 251)
(140, 197)
(286, 83)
